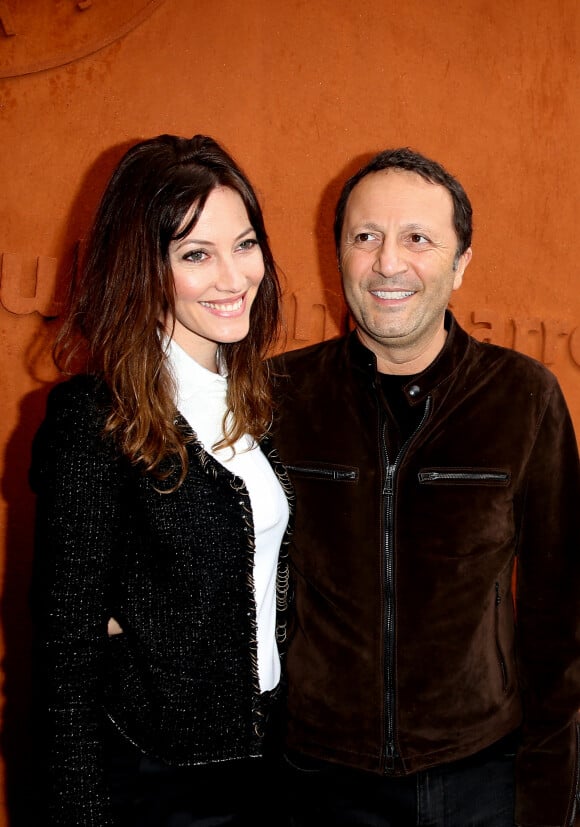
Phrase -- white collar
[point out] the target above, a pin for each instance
(190, 377)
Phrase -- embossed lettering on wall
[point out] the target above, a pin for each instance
(6, 20)
(313, 316)
(29, 284)
(546, 339)
(549, 340)
(60, 33)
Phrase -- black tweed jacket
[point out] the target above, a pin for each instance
(176, 570)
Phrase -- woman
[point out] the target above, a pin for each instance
(159, 591)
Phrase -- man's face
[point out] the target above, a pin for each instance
(399, 264)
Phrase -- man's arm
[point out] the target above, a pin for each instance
(548, 625)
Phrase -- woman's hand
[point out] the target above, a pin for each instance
(113, 627)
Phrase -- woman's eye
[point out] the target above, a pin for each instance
(195, 256)
(248, 244)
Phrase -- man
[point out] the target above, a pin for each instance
(426, 464)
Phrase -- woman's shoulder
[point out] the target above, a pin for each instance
(82, 387)
(72, 431)
(76, 409)
(82, 395)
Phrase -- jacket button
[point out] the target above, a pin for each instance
(414, 391)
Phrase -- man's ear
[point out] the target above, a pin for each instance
(460, 266)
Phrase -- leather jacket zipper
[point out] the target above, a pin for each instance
(576, 791)
(388, 492)
(389, 604)
(328, 473)
(463, 476)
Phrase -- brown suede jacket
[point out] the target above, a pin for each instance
(405, 651)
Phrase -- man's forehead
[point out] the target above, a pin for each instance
(402, 191)
(397, 179)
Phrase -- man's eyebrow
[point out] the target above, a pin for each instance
(372, 225)
(416, 227)
(366, 225)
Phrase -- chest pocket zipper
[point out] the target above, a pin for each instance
(463, 476)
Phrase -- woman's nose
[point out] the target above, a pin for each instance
(230, 278)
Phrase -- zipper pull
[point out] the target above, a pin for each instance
(390, 758)
(389, 479)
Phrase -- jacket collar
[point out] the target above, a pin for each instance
(444, 366)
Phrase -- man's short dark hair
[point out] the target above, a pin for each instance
(409, 161)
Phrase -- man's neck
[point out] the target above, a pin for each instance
(402, 361)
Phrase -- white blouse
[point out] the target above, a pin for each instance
(201, 399)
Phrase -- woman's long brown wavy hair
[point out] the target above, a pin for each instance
(124, 287)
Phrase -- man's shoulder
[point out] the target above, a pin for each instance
(499, 373)
(510, 362)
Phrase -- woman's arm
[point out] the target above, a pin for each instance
(77, 481)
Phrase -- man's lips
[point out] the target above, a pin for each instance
(392, 295)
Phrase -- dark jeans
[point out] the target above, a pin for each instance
(475, 792)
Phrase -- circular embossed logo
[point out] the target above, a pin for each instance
(42, 34)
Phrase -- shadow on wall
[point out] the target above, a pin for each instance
(17, 736)
(19, 743)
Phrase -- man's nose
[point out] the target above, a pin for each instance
(390, 258)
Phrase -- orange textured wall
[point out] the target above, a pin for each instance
(299, 92)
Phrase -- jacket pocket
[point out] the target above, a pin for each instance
(128, 694)
(500, 652)
(324, 471)
(300, 764)
(464, 476)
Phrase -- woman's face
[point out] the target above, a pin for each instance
(217, 269)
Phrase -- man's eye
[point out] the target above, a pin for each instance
(365, 238)
(417, 238)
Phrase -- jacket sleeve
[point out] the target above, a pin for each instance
(548, 625)
(76, 479)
